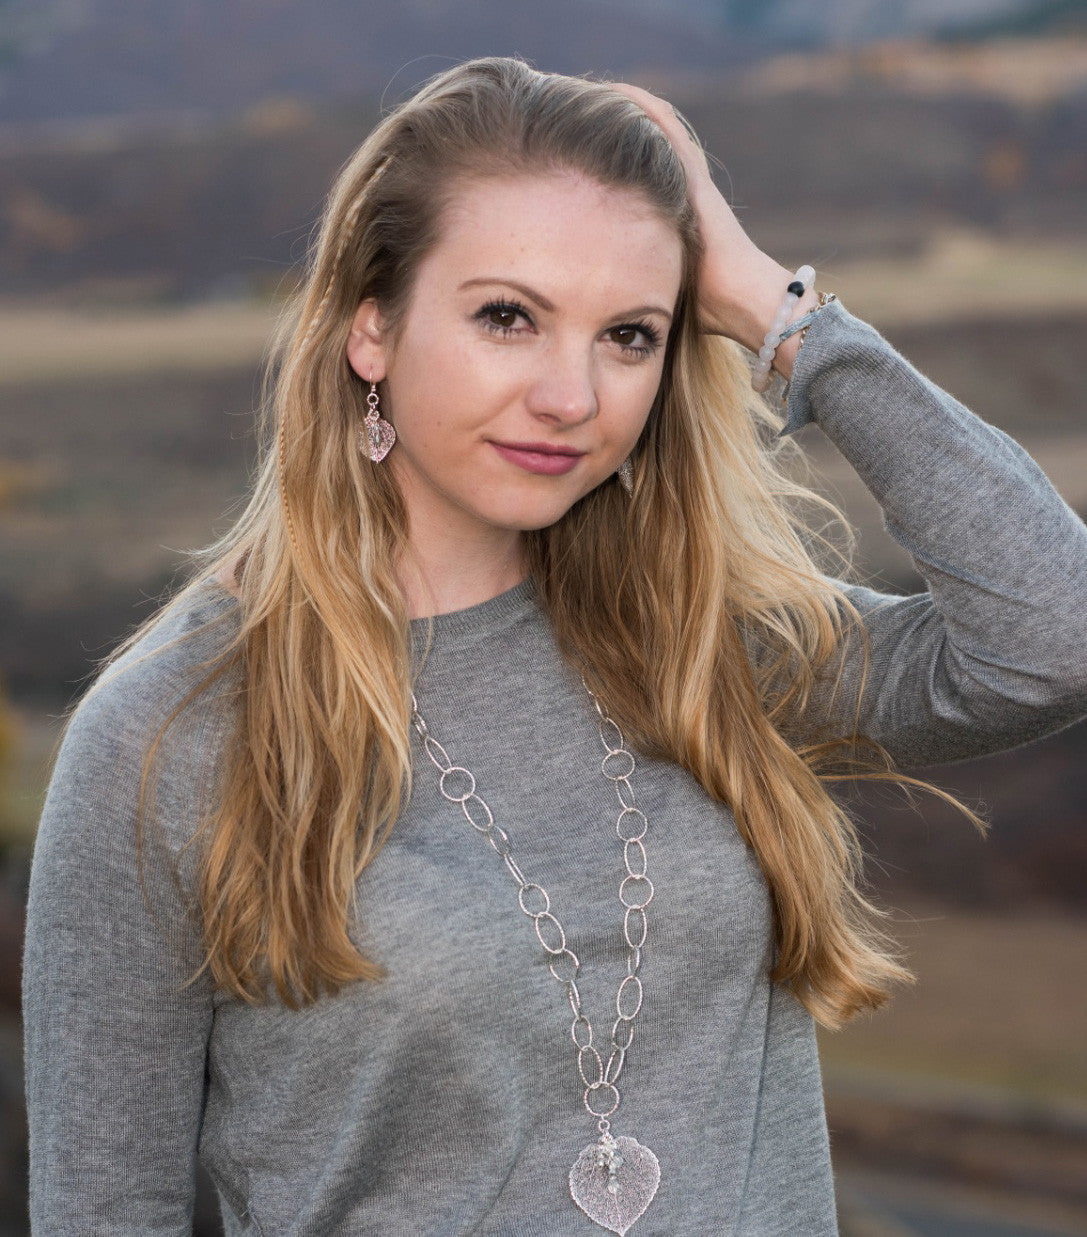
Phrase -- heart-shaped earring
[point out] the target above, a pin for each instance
(377, 436)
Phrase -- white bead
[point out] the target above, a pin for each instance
(767, 352)
(806, 274)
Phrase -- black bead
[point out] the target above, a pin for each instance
(796, 288)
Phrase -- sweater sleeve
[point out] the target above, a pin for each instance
(994, 653)
(115, 1035)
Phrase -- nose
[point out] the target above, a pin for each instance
(563, 392)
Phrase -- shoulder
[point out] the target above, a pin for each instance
(161, 696)
(191, 637)
(115, 872)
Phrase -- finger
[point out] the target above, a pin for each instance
(675, 127)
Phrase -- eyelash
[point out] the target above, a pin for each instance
(647, 329)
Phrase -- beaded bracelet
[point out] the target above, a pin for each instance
(800, 283)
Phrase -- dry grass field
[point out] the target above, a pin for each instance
(54, 344)
(967, 1097)
(958, 272)
(995, 1023)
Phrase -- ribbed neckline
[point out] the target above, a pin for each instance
(480, 621)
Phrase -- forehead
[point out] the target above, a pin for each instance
(560, 230)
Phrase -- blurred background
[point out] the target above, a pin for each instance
(161, 166)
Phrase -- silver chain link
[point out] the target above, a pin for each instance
(458, 785)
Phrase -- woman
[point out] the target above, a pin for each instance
(521, 569)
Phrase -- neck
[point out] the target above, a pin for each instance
(461, 575)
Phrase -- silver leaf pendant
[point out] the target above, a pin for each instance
(613, 1181)
(378, 438)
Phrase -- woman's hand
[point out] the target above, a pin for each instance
(740, 288)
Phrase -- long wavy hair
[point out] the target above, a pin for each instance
(695, 608)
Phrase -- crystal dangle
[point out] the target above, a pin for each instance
(377, 436)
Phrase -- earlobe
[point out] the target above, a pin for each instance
(366, 342)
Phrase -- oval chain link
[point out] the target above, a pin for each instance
(617, 766)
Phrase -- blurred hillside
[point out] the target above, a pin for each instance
(110, 57)
(73, 58)
(835, 155)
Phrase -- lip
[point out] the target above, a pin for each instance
(539, 457)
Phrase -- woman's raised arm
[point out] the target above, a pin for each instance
(994, 654)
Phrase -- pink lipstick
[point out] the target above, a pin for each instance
(539, 457)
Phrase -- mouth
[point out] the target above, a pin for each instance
(539, 457)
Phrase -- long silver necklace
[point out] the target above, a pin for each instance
(614, 1179)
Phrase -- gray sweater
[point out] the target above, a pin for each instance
(445, 1099)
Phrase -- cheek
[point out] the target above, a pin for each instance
(418, 380)
(443, 379)
(641, 406)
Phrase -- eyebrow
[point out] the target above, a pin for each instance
(546, 305)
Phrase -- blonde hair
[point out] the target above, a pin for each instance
(695, 609)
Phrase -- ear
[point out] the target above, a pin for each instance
(366, 345)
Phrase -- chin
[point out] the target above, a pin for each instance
(529, 523)
(524, 517)
(545, 516)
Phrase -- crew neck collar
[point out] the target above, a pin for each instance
(481, 620)
(484, 619)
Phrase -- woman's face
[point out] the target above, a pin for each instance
(530, 354)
